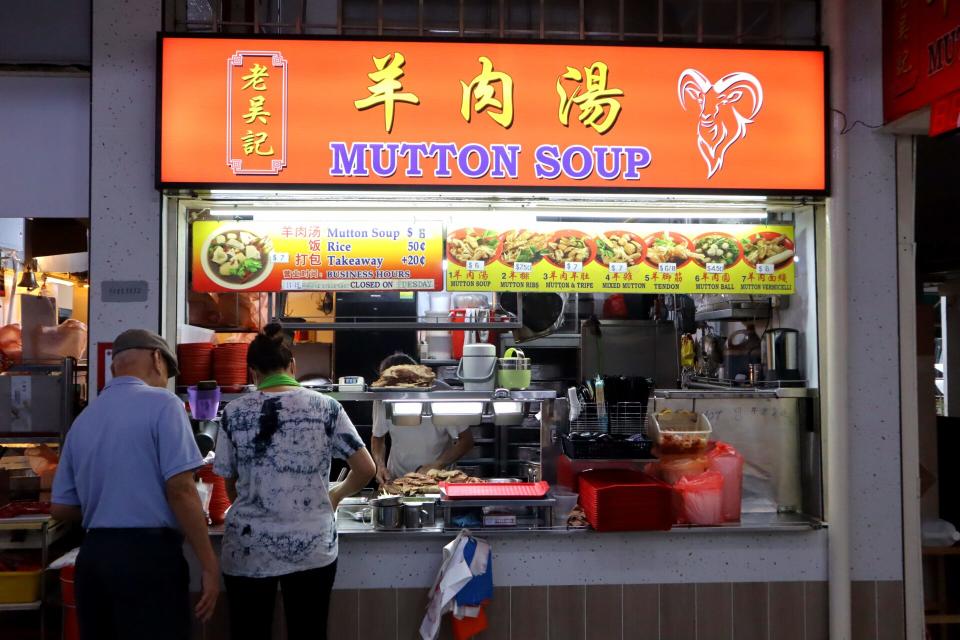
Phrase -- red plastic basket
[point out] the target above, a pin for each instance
(620, 500)
(498, 490)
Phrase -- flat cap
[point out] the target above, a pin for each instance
(143, 339)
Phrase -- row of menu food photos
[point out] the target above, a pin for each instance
(358, 255)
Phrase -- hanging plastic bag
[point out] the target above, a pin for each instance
(701, 498)
(687, 353)
(726, 461)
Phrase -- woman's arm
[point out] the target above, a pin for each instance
(362, 469)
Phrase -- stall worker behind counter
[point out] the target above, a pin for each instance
(419, 448)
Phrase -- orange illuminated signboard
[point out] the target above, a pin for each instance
(424, 114)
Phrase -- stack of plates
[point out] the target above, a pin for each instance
(230, 364)
(196, 362)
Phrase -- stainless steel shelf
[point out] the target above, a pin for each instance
(401, 326)
(722, 392)
(511, 502)
(413, 395)
(555, 341)
(44, 366)
(28, 438)
(735, 311)
(21, 606)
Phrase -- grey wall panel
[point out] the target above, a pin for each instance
(46, 140)
(45, 32)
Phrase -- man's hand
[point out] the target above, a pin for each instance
(430, 465)
(210, 591)
(184, 501)
(383, 474)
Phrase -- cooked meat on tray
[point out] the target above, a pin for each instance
(406, 375)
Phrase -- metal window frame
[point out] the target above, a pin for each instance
(178, 21)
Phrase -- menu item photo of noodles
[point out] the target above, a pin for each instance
(473, 244)
(668, 247)
(619, 246)
(523, 245)
(568, 246)
(768, 247)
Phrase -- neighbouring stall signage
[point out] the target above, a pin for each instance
(945, 114)
(921, 54)
(317, 256)
(625, 258)
(342, 113)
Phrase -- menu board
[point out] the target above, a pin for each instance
(623, 258)
(320, 255)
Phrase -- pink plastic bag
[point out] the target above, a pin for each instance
(701, 498)
(726, 461)
(672, 468)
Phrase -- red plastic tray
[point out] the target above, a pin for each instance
(498, 490)
(17, 509)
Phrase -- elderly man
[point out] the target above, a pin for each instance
(127, 472)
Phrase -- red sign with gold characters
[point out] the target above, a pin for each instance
(317, 256)
(921, 54)
(341, 113)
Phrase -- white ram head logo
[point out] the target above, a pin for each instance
(721, 120)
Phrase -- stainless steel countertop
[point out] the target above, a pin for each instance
(415, 394)
(734, 392)
(751, 523)
(527, 395)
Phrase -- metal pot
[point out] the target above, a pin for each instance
(419, 513)
(386, 513)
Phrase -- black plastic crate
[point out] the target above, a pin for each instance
(614, 447)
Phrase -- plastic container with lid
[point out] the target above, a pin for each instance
(680, 432)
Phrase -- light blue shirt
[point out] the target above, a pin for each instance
(119, 454)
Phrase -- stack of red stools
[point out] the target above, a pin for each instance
(230, 364)
(196, 362)
(621, 500)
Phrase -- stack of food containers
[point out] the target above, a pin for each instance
(707, 477)
(230, 364)
(196, 362)
(621, 500)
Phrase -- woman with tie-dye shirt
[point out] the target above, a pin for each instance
(274, 449)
